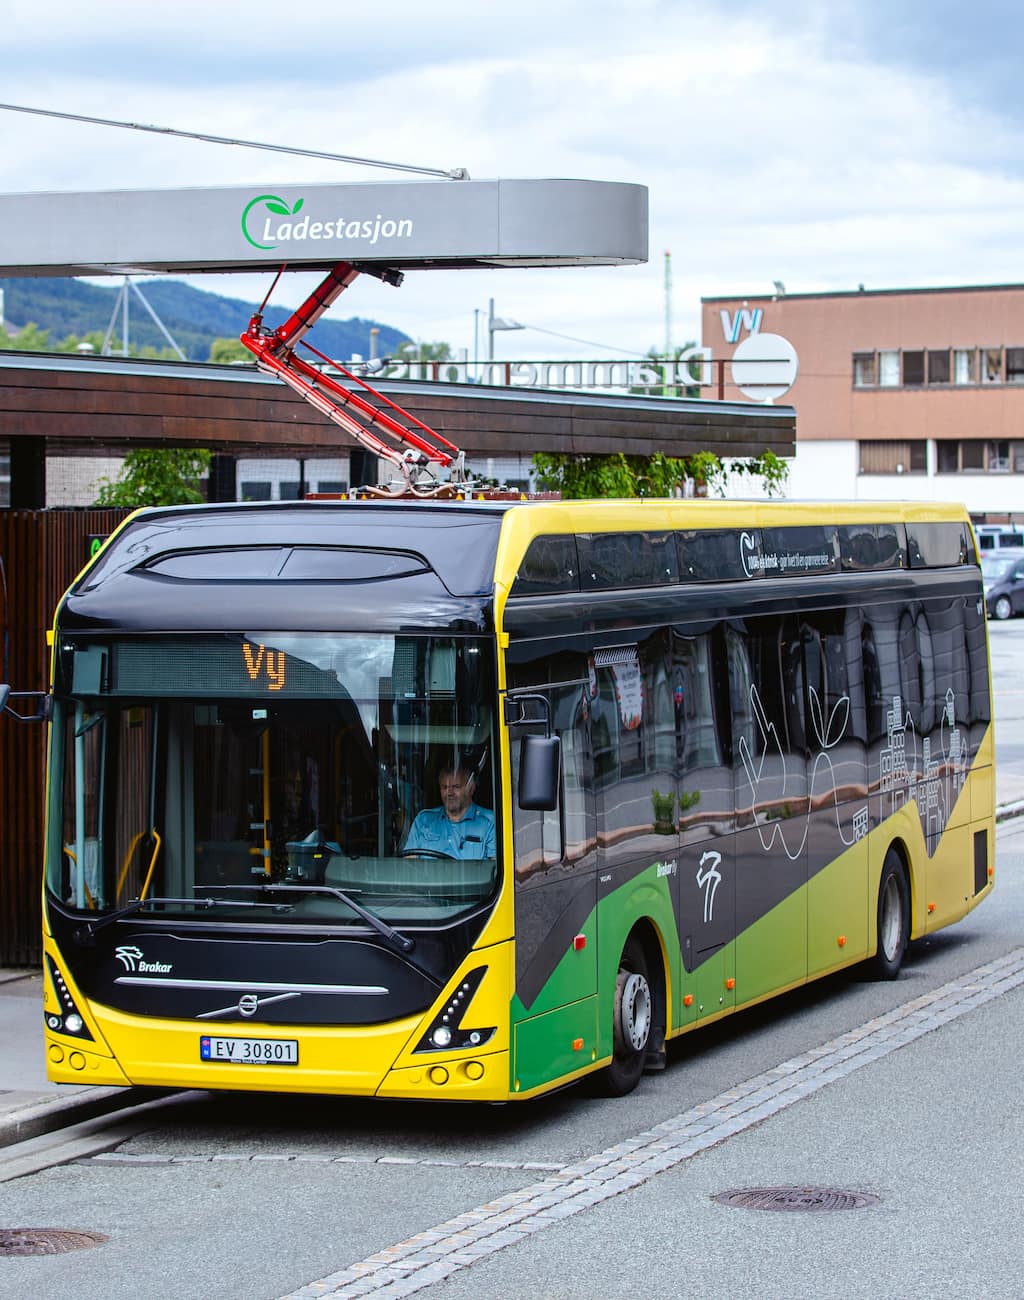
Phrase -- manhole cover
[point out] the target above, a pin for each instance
(795, 1199)
(45, 1241)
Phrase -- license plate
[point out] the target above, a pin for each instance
(250, 1051)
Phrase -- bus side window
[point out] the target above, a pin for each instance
(910, 682)
(980, 711)
(563, 837)
(769, 759)
(701, 696)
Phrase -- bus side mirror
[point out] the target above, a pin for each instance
(40, 699)
(539, 759)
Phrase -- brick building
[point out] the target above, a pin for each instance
(909, 393)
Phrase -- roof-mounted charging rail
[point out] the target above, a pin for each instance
(420, 451)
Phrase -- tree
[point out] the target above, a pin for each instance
(656, 361)
(581, 477)
(423, 352)
(73, 343)
(30, 338)
(224, 351)
(157, 477)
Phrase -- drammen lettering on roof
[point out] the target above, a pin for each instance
(410, 224)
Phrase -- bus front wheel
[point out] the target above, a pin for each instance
(893, 918)
(633, 1017)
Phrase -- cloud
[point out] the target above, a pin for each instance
(823, 146)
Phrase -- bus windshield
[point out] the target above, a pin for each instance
(272, 777)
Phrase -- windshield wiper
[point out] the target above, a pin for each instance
(393, 938)
(92, 928)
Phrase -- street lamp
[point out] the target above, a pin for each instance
(498, 323)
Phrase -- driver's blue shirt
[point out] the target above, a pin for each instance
(472, 837)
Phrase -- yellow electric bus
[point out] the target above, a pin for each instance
(705, 751)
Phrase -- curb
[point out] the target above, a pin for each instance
(48, 1114)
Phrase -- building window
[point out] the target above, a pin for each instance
(1015, 365)
(894, 457)
(992, 366)
(888, 370)
(997, 457)
(916, 367)
(972, 455)
(965, 366)
(336, 485)
(256, 491)
(913, 369)
(863, 370)
(947, 456)
(938, 367)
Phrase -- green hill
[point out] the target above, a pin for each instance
(193, 317)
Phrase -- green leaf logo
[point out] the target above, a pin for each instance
(271, 203)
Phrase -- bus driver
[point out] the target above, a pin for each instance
(459, 828)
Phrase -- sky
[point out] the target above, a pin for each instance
(876, 142)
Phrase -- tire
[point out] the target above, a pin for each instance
(1003, 608)
(893, 918)
(632, 1021)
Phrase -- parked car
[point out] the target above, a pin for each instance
(1003, 575)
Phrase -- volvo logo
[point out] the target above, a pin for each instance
(246, 1006)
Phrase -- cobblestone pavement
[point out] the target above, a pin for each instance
(436, 1254)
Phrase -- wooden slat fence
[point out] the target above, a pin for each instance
(41, 552)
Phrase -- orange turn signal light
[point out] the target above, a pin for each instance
(730, 983)
(841, 941)
(931, 907)
(577, 1044)
(688, 1000)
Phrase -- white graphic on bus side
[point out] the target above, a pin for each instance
(709, 881)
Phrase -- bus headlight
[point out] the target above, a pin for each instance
(447, 1034)
(69, 1019)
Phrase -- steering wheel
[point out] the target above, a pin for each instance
(426, 853)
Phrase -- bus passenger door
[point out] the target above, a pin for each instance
(835, 650)
(554, 1009)
(707, 878)
(770, 776)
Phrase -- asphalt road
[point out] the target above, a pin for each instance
(908, 1091)
(1006, 647)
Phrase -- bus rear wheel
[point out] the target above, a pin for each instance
(633, 1018)
(893, 918)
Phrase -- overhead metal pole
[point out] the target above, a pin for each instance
(495, 323)
(668, 305)
(156, 319)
